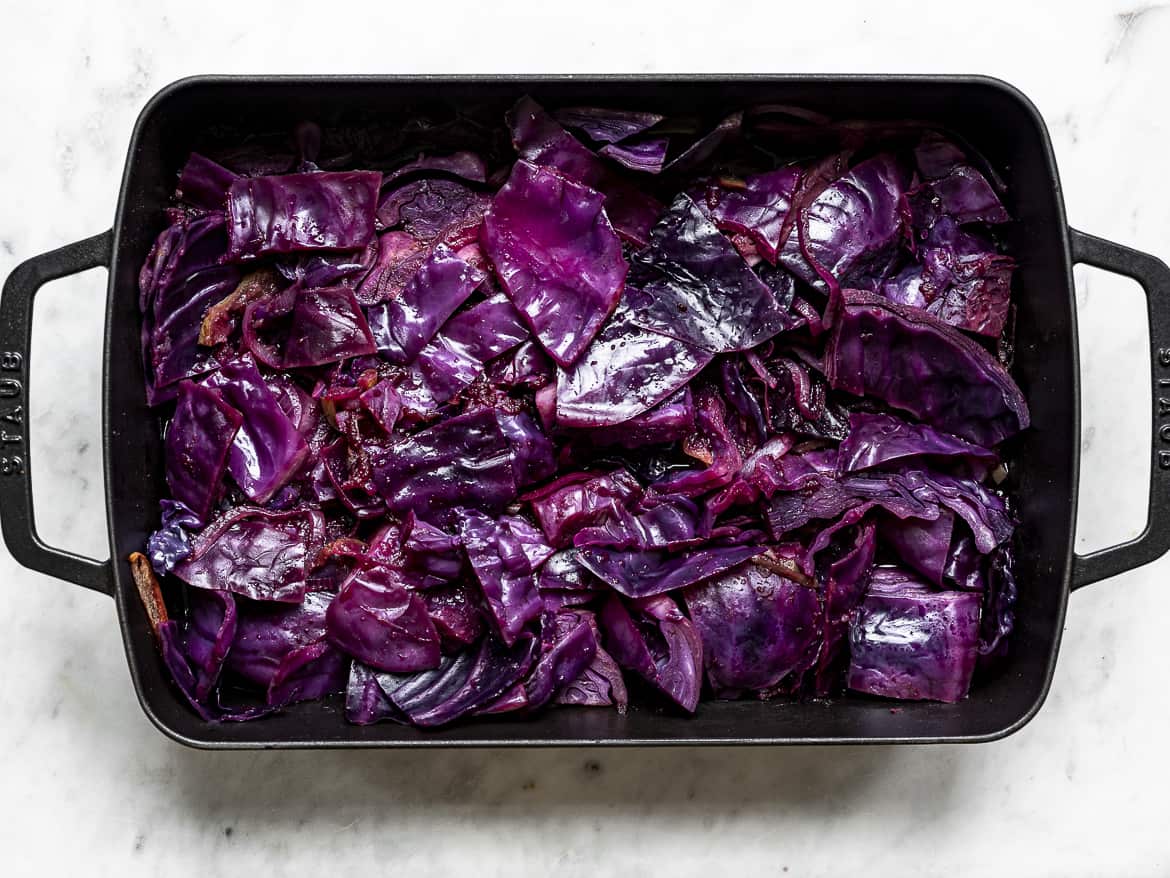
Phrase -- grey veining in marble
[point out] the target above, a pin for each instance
(87, 786)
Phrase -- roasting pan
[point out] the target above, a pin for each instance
(991, 115)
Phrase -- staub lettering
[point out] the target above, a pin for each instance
(1162, 359)
(11, 416)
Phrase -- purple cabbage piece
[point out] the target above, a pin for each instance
(295, 212)
(556, 254)
(671, 522)
(204, 183)
(607, 125)
(533, 456)
(647, 155)
(641, 574)
(366, 702)
(457, 355)
(198, 440)
(455, 611)
(796, 399)
(999, 603)
(568, 647)
(429, 555)
(255, 553)
(913, 643)
(399, 256)
(384, 405)
(879, 439)
(463, 164)
(525, 366)
(541, 141)
(578, 500)
(655, 640)
(171, 543)
(425, 473)
(757, 627)
(179, 283)
(210, 635)
(922, 544)
(758, 209)
(600, 684)
(307, 674)
(460, 685)
(849, 235)
(434, 210)
(961, 278)
(498, 557)
(563, 571)
(919, 364)
(269, 632)
(626, 371)
(327, 326)
(312, 270)
(380, 622)
(402, 327)
(170, 642)
(706, 146)
(669, 421)
(268, 450)
(722, 452)
(844, 583)
(690, 283)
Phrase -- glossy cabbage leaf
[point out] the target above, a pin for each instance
(376, 619)
(655, 640)
(913, 643)
(919, 364)
(757, 627)
(255, 553)
(198, 441)
(295, 212)
(557, 255)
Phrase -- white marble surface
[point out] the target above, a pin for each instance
(87, 785)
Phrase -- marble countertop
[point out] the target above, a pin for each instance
(89, 785)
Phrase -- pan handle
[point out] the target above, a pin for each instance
(1154, 276)
(16, 503)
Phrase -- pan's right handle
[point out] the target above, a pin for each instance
(1154, 277)
(16, 503)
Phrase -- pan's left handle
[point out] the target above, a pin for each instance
(16, 503)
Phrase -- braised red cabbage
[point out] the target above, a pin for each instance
(588, 406)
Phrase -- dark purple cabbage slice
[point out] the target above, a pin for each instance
(759, 208)
(268, 632)
(268, 450)
(647, 155)
(198, 440)
(626, 371)
(327, 327)
(655, 640)
(460, 685)
(204, 183)
(402, 327)
(505, 573)
(399, 256)
(210, 636)
(919, 364)
(255, 553)
(607, 125)
(757, 627)
(844, 582)
(960, 277)
(641, 574)
(379, 621)
(690, 283)
(579, 500)
(425, 472)
(879, 439)
(463, 164)
(556, 255)
(913, 643)
(541, 141)
(171, 543)
(600, 684)
(849, 234)
(296, 212)
(568, 647)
